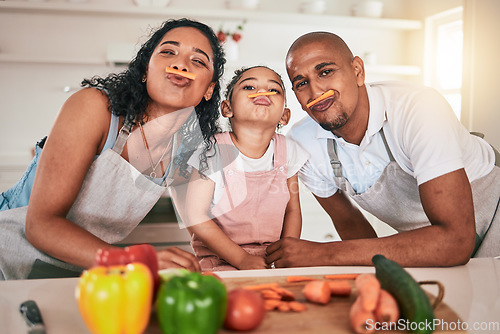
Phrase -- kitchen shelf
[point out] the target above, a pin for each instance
(376, 69)
(9, 58)
(131, 11)
(393, 69)
(408, 70)
(219, 14)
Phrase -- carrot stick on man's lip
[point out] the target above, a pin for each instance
(261, 94)
(321, 98)
(184, 74)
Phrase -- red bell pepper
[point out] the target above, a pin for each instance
(142, 253)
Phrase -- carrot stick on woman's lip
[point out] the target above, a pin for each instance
(184, 74)
(261, 94)
(321, 98)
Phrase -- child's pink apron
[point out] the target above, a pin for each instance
(252, 208)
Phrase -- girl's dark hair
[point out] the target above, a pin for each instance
(237, 76)
(129, 98)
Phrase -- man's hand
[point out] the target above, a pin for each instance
(174, 257)
(293, 252)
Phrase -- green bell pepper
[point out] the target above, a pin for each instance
(191, 304)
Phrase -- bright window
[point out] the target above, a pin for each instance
(443, 55)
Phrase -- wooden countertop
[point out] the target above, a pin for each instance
(471, 291)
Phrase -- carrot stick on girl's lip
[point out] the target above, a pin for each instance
(261, 94)
(184, 74)
(321, 98)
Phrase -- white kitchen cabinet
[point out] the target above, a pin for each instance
(127, 9)
(318, 226)
(160, 229)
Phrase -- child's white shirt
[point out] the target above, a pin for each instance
(296, 157)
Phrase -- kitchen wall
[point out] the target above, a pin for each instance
(44, 52)
(44, 55)
(481, 104)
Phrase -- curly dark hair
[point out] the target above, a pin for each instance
(129, 98)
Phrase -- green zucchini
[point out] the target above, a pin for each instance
(412, 300)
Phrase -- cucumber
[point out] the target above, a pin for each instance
(413, 303)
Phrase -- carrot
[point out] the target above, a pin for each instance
(184, 74)
(261, 94)
(261, 286)
(293, 279)
(271, 304)
(387, 309)
(284, 293)
(321, 98)
(317, 292)
(340, 287)
(342, 276)
(284, 306)
(297, 306)
(270, 294)
(361, 318)
(368, 290)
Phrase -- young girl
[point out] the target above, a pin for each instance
(93, 185)
(249, 198)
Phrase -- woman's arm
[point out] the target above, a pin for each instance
(292, 223)
(79, 133)
(199, 196)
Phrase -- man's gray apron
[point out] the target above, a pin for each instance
(394, 199)
(113, 199)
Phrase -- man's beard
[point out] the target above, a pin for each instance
(335, 124)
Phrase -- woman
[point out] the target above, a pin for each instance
(80, 203)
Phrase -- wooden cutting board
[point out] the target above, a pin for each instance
(317, 319)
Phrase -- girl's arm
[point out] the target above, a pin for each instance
(292, 223)
(199, 196)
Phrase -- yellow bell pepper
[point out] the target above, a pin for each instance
(116, 299)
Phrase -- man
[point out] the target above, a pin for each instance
(400, 153)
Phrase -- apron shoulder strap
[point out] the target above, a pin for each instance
(334, 159)
(228, 157)
(336, 164)
(226, 148)
(391, 157)
(123, 136)
(279, 150)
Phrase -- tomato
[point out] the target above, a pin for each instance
(245, 310)
(236, 37)
(221, 36)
